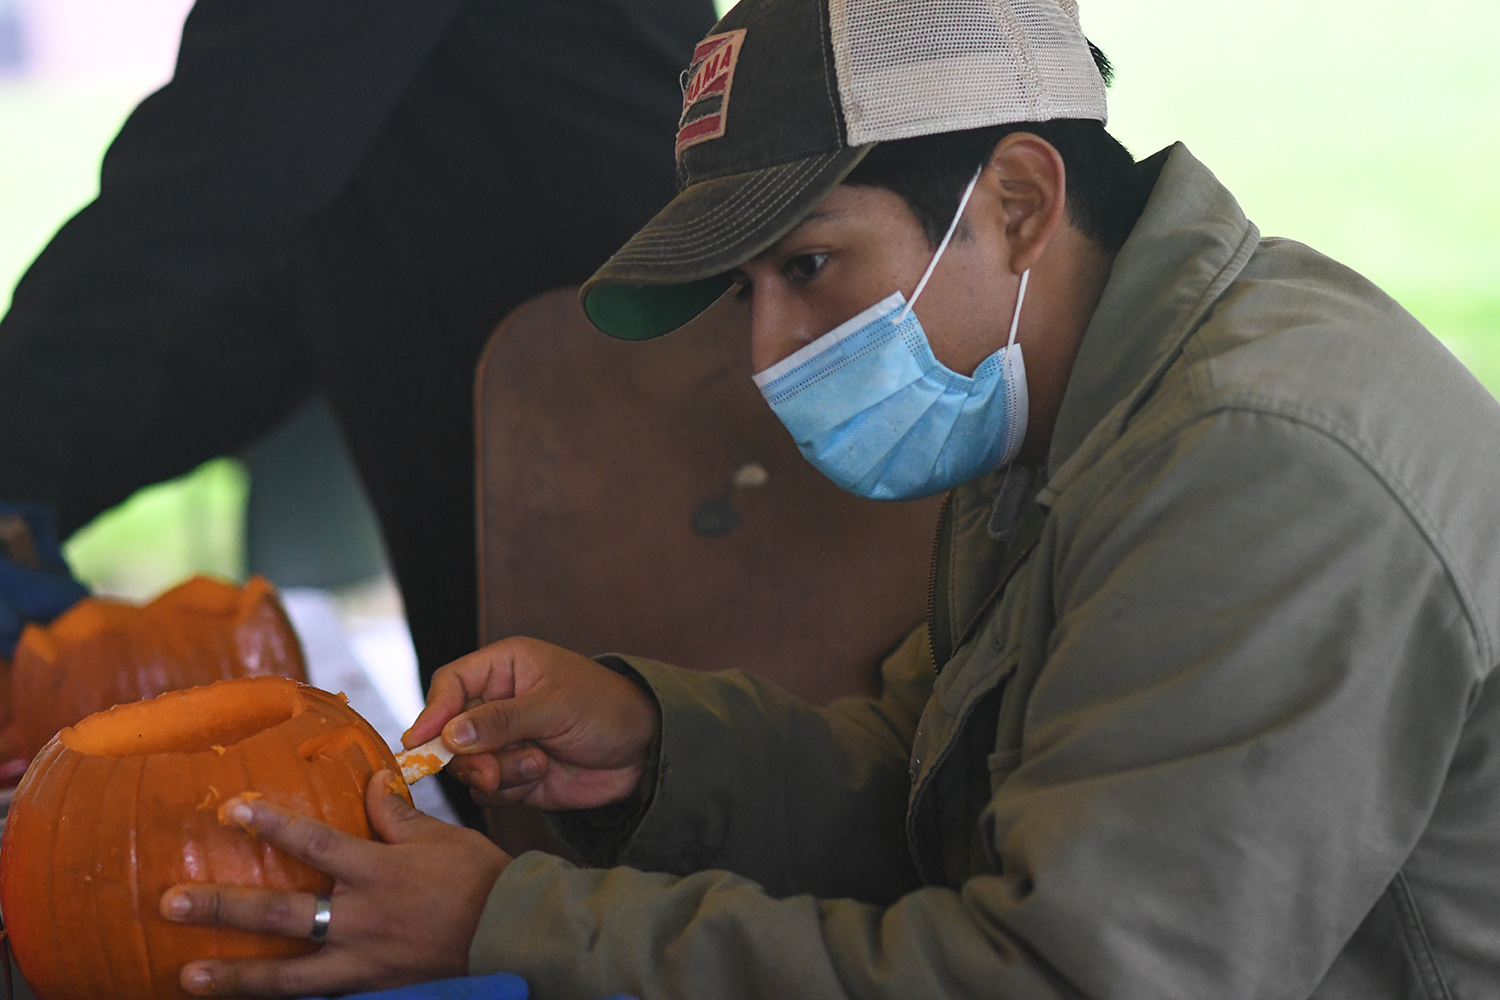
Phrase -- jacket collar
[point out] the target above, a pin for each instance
(1192, 240)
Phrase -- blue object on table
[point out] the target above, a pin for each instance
(499, 986)
(35, 582)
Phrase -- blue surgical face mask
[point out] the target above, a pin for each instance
(872, 408)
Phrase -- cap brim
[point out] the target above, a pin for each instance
(675, 267)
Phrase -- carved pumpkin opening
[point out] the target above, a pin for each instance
(85, 622)
(215, 717)
(102, 653)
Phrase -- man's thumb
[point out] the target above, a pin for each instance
(392, 816)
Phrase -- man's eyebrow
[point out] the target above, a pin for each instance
(821, 214)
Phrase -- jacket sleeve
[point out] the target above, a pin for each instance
(1256, 668)
(138, 337)
(842, 770)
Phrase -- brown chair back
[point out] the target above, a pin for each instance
(643, 498)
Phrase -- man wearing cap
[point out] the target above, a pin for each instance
(1203, 705)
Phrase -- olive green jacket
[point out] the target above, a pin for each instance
(1210, 720)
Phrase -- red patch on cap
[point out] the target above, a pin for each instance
(705, 89)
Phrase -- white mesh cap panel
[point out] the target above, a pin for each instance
(918, 67)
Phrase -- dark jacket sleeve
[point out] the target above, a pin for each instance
(143, 324)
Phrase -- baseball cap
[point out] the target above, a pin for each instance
(784, 98)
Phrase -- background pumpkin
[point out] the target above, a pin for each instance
(103, 652)
(122, 806)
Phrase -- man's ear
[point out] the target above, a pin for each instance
(1026, 178)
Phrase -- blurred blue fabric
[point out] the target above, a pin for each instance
(34, 594)
(499, 986)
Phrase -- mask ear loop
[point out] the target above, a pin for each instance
(1015, 321)
(947, 238)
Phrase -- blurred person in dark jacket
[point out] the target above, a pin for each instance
(332, 198)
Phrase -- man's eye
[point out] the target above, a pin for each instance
(804, 267)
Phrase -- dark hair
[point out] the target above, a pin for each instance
(1106, 193)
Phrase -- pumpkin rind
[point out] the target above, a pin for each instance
(96, 834)
(103, 652)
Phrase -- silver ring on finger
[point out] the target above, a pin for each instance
(322, 917)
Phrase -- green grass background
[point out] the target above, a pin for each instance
(1370, 130)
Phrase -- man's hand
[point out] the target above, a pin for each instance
(404, 911)
(537, 724)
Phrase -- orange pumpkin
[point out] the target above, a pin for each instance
(101, 652)
(125, 804)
